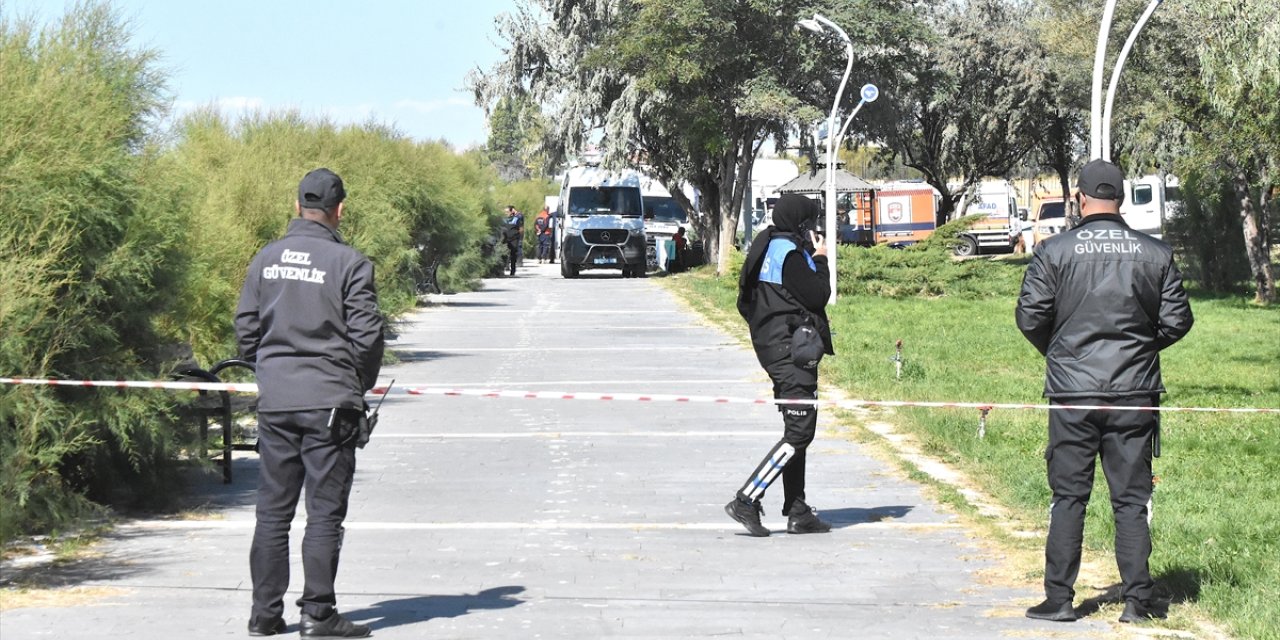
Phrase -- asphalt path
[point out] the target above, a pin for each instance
(514, 518)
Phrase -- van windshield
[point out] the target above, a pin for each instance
(617, 201)
(665, 208)
(1051, 210)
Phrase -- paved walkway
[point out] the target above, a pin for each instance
(497, 518)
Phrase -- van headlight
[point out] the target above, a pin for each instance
(572, 231)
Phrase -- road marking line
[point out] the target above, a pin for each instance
(228, 525)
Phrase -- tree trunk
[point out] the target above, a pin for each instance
(1070, 214)
(726, 180)
(709, 230)
(732, 210)
(946, 207)
(960, 200)
(1255, 240)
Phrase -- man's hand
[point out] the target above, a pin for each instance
(819, 247)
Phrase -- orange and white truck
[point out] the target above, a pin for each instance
(905, 213)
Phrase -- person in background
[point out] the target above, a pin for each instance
(513, 235)
(675, 264)
(542, 229)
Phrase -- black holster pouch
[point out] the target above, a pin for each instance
(806, 344)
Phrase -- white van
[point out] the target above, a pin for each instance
(602, 222)
(1146, 206)
(663, 216)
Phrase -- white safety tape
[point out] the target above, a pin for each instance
(424, 390)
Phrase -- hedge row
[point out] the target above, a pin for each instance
(123, 245)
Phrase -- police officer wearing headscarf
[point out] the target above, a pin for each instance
(308, 319)
(782, 294)
(1100, 302)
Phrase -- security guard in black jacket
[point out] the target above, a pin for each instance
(782, 294)
(1100, 301)
(308, 318)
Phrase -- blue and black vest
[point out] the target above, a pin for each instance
(773, 312)
(776, 255)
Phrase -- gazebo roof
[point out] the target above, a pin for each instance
(816, 183)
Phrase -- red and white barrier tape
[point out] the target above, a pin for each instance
(843, 404)
(233, 387)
(423, 390)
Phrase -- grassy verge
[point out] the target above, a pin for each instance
(1217, 520)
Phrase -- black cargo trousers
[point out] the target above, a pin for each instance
(1123, 440)
(799, 421)
(297, 450)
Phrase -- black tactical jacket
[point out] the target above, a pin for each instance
(308, 318)
(1100, 301)
(774, 306)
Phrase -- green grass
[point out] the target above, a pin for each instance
(1217, 517)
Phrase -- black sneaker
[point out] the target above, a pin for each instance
(335, 626)
(270, 627)
(804, 519)
(748, 514)
(1135, 611)
(1053, 611)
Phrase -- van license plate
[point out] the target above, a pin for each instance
(606, 260)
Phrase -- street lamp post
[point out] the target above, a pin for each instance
(869, 94)
(817, 25)
(1099, 61)
(1115, 77)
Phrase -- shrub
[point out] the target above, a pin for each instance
(407, 203)
(88, 249)
(926, 269)
(115, 248)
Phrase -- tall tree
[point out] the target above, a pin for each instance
(515, 133)
(967, 105)
(1240, 67)
(1066, 61)
(506, 141)
(690, 88)
(1202, 96)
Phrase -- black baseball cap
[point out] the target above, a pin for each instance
(321, 189)
(1101, 179)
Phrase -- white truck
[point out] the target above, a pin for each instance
(1147, 206)
(999, 228)
(602, 222)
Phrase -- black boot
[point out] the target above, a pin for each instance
(1054, 611)
(1136, 611)
(335, 626)
(804, 519)
(270, 627)
(748, 514)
